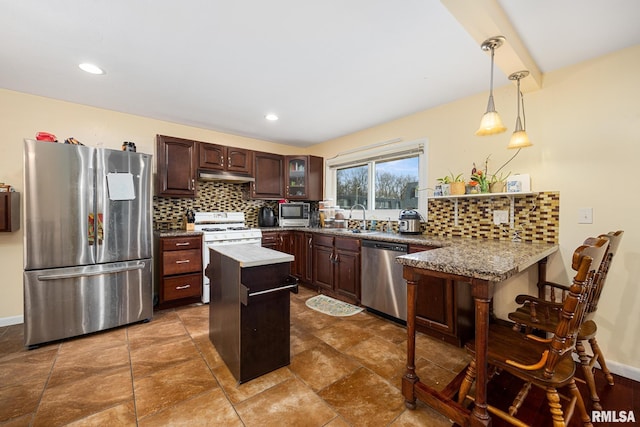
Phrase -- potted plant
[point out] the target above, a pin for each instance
(498, 183)
(455, 183)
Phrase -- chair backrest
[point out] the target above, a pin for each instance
(595, 253)
(614, 238)
(586, 261)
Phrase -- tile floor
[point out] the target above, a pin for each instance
(343, 371)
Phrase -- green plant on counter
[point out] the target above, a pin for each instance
(450, 178)
(499, 178)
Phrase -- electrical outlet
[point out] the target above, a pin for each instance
(500, 217)
(585, 215)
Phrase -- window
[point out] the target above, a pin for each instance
(384, 180)
(352, 186)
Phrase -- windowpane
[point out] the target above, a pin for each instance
(396, 184)
(352, 186)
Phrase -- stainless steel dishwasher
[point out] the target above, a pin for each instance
(383, 288)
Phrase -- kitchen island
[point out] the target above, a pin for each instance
(482, 264)
(249, 312)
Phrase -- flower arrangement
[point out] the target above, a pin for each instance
(480, 180)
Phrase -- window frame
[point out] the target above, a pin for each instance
(378, 153)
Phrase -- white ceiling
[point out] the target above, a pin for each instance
(326, 67)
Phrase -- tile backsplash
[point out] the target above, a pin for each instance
(536, 216)
(213, 196)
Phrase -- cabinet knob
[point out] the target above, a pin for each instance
(183, 244)
(183, 261)
(183, 287)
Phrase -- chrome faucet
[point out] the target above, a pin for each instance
(364, 217)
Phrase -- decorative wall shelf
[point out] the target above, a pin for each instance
(510, 196)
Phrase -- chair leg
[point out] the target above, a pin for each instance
(600, 357)
(553, 399)
(467, 382)
(587, 370)
(584, 416)
(519, 400)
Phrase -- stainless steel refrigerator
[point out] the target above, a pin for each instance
(87, 240)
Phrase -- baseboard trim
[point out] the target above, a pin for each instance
(626, 371)
(13, 320)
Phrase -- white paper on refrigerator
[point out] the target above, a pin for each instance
(120, 186)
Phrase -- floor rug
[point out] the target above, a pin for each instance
(331, 306)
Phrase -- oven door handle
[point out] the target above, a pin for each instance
(291, 284)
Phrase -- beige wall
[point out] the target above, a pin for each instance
(584, 123)
(21, 116)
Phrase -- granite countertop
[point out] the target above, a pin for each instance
(418, 239)
(252, 255)
(492, 260)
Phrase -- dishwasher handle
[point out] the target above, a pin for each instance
(387, 246)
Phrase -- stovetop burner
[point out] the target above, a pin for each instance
(213, 229)
(238, 228)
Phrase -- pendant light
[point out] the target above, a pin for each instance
(519, 139)
(491, 122)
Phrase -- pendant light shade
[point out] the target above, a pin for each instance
(519, 139)
(491, 122)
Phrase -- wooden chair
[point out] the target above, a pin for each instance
(545, 363)
(542, 314)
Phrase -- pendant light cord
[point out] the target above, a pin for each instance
(493, 50)
(507, 162)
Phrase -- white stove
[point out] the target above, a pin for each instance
(223, 228)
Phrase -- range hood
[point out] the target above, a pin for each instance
(205, 175)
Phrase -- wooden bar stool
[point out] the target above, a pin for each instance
(545, 362)
(533, 314)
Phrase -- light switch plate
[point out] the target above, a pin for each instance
(585, 215)
(500, 217)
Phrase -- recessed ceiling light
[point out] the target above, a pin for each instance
(271, 117)
(90, 68)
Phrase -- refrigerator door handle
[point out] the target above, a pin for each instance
(91, 237)
(100, 228)
(113, 270)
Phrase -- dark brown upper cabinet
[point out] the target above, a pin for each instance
(221, 158)
(268, 171)
(176, 167)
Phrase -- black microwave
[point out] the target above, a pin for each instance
(293, 214)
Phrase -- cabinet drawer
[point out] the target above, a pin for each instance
(347, 244)
(323, 240)
(179, 262)
(188, 285)
(180, 243)
(269, 239)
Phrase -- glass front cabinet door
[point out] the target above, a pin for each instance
(303, 177)
(296, 185)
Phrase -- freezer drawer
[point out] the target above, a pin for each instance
(65, 302)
